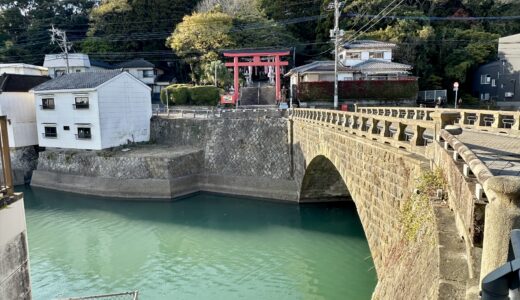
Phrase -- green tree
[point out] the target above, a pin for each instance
(208, 74)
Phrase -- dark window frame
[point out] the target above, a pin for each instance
(48, 133)
(48, 103)
(84, 133)
(82, 104)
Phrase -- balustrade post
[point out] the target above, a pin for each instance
(344, 120)
(400, 134)
(354, 121)
(463, 118)
(516, 123)
(373, 125)
(363, 123)
(502, 215)
(479, 121)
(338, 118)
(418, 132)
(416, 114)
(386, 128)
(497, 120)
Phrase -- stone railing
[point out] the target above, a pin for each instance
(205, 113)
(407, 134)
(506, 122)
(464, 173)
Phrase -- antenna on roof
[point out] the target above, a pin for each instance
(60, 37)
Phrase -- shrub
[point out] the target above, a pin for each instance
(359, 90)
(204, 95)
(177, 93)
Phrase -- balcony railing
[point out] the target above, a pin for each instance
(83, 136)
(50, 107)
(49, 135)
(80, 106)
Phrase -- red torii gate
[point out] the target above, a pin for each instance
(257, 56)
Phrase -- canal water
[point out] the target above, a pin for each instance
(201, 247)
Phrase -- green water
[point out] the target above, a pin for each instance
(202, 247)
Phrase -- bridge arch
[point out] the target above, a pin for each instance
(380, 180)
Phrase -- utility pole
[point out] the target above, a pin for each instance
(60, 37)
(336, 34)
(216, 66)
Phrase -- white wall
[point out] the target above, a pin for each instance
(125, 110)
(20, 111)
(65, 115)
(22, 69)
(138, 73)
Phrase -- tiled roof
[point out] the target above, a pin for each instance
(20, 83)
(101, 64)
(318, 66)
(74, 81)
(363, 44)
(376, 64)
(135, 63)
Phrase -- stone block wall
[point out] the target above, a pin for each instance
(380, 179)
(14, 257)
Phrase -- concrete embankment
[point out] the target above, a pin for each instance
(243, 156)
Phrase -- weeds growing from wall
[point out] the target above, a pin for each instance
(416, 213)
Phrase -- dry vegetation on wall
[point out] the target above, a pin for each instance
(416, 213)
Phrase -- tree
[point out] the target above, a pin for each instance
(133, 26)
(208, 74)
(199, 37)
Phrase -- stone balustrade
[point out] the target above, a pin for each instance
(406, 134)
(506, 122)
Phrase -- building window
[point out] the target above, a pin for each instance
(66, 128)
(485, 79)
(484, 96)
(341, 56)
(376, 55)
(50, 132)
(58, 73)
(148, 73)
(353, 55)
(81, 103)
(78, 70)
(493, 82)
(47, 103)
(83, 133)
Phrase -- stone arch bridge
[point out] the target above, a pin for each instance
(376, 156)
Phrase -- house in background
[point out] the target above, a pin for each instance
(499, 81)
(23, 69)
(57, 64)
(359, 61)
(142, 69)
(18, 105)
(93, 110)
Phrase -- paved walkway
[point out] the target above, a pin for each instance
(500, 153)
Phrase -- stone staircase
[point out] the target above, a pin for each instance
(261, 94)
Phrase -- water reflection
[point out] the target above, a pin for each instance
(202, 247)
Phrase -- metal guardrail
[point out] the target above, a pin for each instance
(209, 113)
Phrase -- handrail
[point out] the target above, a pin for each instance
(400, 133)
(505, 122)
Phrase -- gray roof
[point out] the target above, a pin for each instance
(135, 63)
(364, 44)
(74, 81)
(318, 66)
(377, 64)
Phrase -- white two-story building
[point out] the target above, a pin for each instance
(93, 110)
